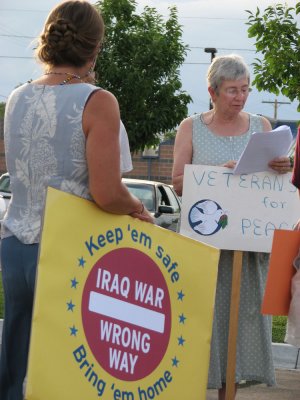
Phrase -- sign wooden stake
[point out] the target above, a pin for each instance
(233, 324)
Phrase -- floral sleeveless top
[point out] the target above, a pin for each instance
(44, 146)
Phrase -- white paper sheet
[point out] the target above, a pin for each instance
(262, 148)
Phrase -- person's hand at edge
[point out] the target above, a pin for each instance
(281, 165)
(229, 164)
(143, 215)
(297, 226)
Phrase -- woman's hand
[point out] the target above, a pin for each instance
(145, 215)
(281, 165)
(229, 164)
(297, 226)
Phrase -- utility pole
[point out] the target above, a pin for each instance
(276, 102)
(212, 51)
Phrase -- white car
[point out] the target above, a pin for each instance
(5, 194)
(160, 199)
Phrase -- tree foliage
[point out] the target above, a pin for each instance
(278, 40)
(139, 64)
(2, 109)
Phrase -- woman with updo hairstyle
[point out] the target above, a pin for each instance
(63, 132)
(71, 35)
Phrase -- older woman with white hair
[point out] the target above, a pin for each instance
(218, 137)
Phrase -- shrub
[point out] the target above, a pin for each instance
(278, 329)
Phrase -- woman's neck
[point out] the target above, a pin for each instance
(225, 117)
(68, 70)
(226, 124)
(64, 74)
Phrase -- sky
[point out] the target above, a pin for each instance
(220, 24)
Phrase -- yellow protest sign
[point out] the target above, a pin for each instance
(123, 309)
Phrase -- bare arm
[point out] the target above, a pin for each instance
(101, 122)
(266, 124)
(183, 150)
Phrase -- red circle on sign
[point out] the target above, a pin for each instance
(126, 313)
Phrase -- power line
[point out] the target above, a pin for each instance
(276, 102)
(179, 16)
(17, 57)
(12, 35)
(217, 18)
(195, 63)
(22, 10)
(18, 36)
(191, 47)
(32, 58)
(222, 48)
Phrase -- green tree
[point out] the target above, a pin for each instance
(139, 64)
(278, 40)
(2, 109)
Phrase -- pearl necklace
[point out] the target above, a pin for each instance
(70, 76)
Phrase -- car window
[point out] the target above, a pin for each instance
(143, 192)
(5, 184)
(163, 199)
(172, 199)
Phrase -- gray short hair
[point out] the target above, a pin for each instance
(229, 67)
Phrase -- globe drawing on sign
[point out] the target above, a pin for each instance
(206, 217)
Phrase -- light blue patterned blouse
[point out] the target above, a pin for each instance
(212, 149)
(254, 350)
(44, 146)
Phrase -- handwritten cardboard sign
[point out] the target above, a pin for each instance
(237, 212)
(122, 310)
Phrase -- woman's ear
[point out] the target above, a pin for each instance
(212, 93)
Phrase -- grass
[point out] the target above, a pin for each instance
(278, 328)
(1, 297)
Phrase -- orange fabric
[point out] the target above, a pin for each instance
(296, 170)
(277, 296)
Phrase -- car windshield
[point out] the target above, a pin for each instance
(143, 192)
(4, 184)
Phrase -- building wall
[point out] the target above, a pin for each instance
(1, 127)
(154, 168)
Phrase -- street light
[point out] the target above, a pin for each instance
(212, 51)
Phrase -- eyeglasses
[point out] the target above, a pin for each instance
(233, 92)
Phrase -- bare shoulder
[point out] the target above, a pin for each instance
(102, 98)
(183, 139)
(266, 124)
(185, 126)
(101, 112)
